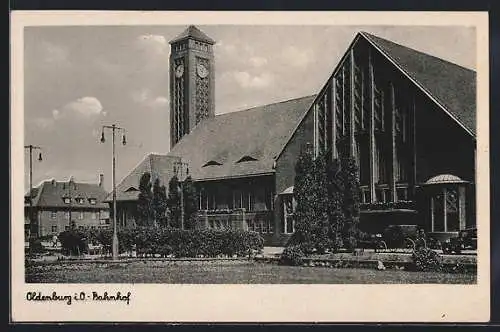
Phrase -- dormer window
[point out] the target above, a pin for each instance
(246, 158)
(79, 200)
(212, 163)
(67, 200)
(92, 201)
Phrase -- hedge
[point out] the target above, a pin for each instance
(178, 243)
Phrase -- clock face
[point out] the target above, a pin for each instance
(202, 71)
(179, 71)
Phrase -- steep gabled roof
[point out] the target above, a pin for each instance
(50, 194)
(453, 87)
(259, 132)
(194, 33)
(159, 166)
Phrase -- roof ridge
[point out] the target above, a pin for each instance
(253, 108)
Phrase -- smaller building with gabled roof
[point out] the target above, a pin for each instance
(57, 204)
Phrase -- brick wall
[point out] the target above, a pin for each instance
(285, 168)
(58, 221)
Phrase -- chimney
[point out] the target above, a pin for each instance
(101, 180)
(53, 181)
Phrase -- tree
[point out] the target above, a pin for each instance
(350, 195)
(144, 201)
(190, 203)
(335, 200)
(351, 201)
(174, 202)
(159, 203)
(304, 194)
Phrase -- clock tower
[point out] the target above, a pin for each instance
(191, 82)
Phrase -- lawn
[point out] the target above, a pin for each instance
(237, 272)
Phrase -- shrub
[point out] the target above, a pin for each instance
(74, 242)
(292, 255)
(182, 243)
(35, 246)
(424, 259)
(394, 236)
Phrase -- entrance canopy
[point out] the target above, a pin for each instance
(444, 179)
(287, 191)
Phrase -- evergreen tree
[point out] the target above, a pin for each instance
(190, 203)
(174, 202)
(335, 200)
(144, 201)
(321, 201)
(304, 194)
(159, 203)
(351, 201)
(350, 195)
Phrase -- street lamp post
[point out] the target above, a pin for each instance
(113, 129)
(179, 165)
(30, 148)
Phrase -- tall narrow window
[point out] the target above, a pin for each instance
(358, 99)
(339, 102)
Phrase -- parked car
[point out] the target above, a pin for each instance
(400, 237)
(466, 240)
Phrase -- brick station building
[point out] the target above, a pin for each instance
(409, 117)
(58, 203)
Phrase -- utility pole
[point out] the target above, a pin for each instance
(179, 165)
(113, 129)
(30, 148)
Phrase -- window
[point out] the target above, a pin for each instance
(53, 214)
(211, 202)
(54, 228)
(212, 163)
(80, 215)
(131, 189)
(66, 215)
(94, 216)
(66, 228)
(67, 200)
(246, 158)
(79, 200)
(237, 199)
(402, 194)
(92, 201)
(288, 209)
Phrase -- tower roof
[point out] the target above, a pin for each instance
(194, 33)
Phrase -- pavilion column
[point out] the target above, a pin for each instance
(352, 142)
(461, 207)
(371, 135)
(394, 163)
(413, 147)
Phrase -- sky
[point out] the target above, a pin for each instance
(78, 78)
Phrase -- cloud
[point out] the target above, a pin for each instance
(54, 54)
(56, 114)
(297, 57)
(257, 61)
(146, 98)
(44, 123)
(86, 106)
(247, 80)
(155, 44)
